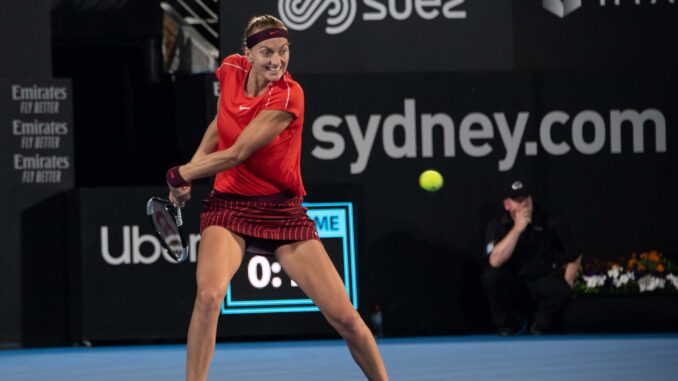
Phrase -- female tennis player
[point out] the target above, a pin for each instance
(253, 146)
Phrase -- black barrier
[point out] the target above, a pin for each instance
(103, 277)
(383, 35)
(122, 286)
(44, 273)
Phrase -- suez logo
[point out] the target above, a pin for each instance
(302, 14)
(562, 8)
(410, 136)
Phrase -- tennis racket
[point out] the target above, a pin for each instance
(168, 227)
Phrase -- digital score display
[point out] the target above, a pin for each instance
(261, 286)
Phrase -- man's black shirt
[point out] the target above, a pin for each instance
(542, 248)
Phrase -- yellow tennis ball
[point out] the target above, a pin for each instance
(431, 180)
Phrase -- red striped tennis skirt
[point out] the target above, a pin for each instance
(276, 217)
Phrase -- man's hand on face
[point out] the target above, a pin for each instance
(522, 217)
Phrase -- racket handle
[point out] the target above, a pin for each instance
(178, 219)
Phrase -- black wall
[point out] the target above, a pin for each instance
(25, 39)
(492, 59)
(25, 42)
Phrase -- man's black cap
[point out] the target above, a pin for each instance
(516, 190)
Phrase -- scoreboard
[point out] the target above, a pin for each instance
(261, 287)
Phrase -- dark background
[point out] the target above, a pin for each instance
(482, 40)
(421, 251)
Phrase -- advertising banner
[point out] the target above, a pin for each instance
(347, 36)
(36, 133)
(586, 142)
(125, 287)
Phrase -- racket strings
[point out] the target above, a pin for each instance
(167, 222)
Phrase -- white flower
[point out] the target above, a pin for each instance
(614, 271)
(623, 279)
(594, 281)
(650, 283)
(673, 279)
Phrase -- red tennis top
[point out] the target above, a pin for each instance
(275, 168)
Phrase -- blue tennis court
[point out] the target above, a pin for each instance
(471, 358)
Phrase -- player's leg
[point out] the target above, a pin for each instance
(308, 264)
(220, 255)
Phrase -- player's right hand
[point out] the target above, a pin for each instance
(179, 196)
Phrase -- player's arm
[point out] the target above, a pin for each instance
(261, 131)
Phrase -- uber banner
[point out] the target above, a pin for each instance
(330, 36)
(123, 286)
(553, 34)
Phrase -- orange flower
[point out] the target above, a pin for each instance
(660, 268)
(643, 256)
(632, 263)
(653, 256)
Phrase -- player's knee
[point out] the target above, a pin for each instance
(209, 299)
(348, 323)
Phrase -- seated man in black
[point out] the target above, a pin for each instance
(526, 250)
